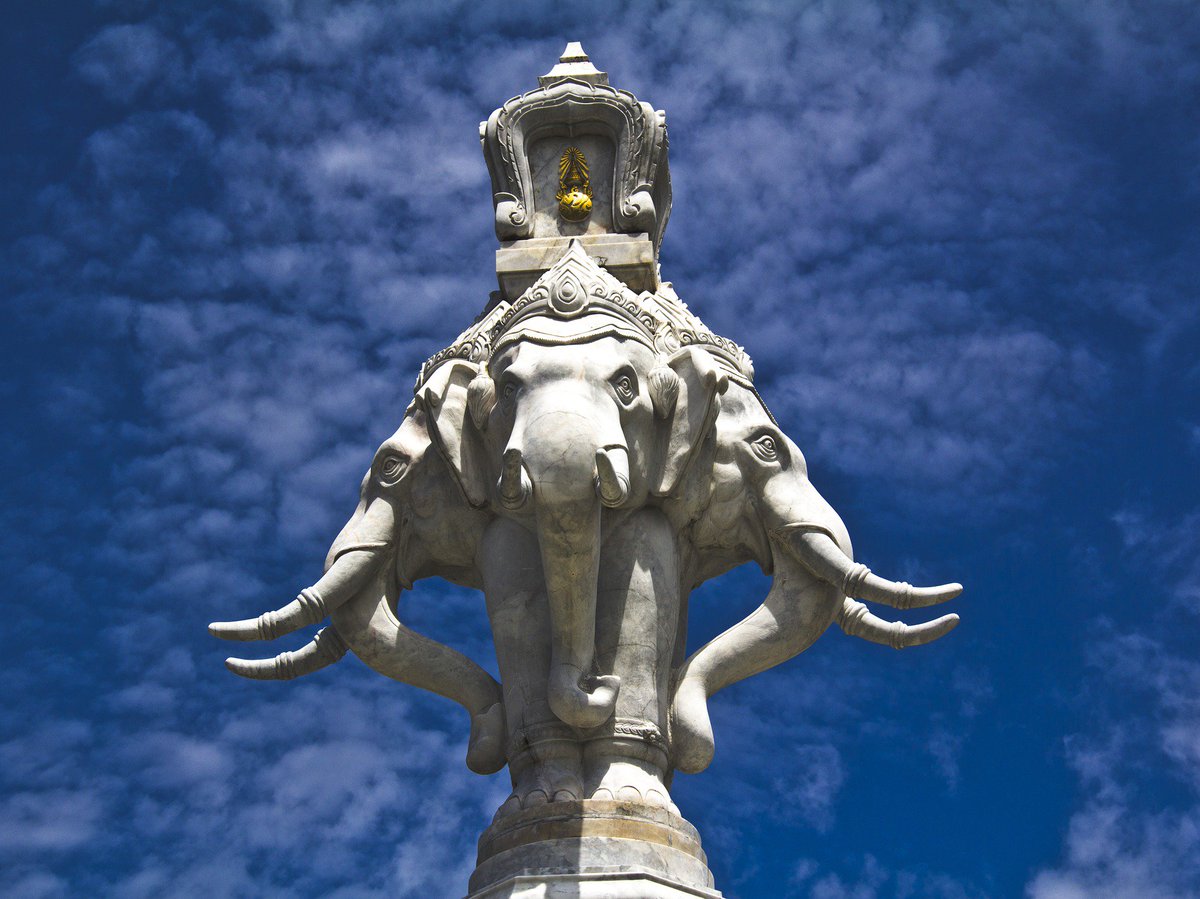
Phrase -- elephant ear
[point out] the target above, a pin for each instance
(445, 396)
(687, 404)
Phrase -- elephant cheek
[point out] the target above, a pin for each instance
(788, 501)
(373, 528)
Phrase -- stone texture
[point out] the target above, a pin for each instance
(594, 837)
(621, 885)
(586, 453)
(628, 258)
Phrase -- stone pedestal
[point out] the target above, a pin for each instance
(628, 257)
(594, 849)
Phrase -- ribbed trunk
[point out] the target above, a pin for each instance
(560, 455)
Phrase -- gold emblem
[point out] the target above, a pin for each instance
(574, 190)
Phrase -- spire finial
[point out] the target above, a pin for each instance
(574, 53)
(575, 66)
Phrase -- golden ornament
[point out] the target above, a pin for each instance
(574, 190)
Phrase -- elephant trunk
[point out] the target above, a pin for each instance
(797, 610)
(568, 490)
(370, 625)
(570, 546)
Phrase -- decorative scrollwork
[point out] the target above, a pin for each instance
(641, 181)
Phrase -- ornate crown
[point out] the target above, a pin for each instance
(577, 301)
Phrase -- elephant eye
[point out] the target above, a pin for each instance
(765, 448)
(509, 385)
(626, 388)
(392, 469)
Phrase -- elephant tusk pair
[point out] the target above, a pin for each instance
(344, 579)
(817, 551)
(322, 651)
(612, 478)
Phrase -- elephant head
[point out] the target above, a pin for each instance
(566, 422)
(749, 497)
(411, 522)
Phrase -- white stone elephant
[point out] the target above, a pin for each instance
(412, 522)
(572, 435)
(748, 497)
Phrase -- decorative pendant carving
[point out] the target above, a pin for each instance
(574, 187)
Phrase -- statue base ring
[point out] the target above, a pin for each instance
(592, 849)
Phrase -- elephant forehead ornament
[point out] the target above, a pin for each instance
(586, 454)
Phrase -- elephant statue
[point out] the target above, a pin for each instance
(570, 435)
(587, 457)
(586, 453)
(748, 497)
(412, 522)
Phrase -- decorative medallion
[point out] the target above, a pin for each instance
(574, 189)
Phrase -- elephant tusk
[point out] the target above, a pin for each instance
(612, 475)
(857, 621)
(825, 559)
(515, 487)
(307, 608)
(322, 651)
(343, 579)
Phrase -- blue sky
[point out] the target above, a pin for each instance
(960, 242)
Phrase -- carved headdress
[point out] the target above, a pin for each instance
(577, 301)
(582, 192)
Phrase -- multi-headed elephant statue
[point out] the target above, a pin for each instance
(748, 497)
(412, 522)
(587, 457)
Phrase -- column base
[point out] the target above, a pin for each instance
(617, 885)
(593, 849)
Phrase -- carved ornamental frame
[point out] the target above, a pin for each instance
(641, 199)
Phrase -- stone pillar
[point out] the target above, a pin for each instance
(593, 849)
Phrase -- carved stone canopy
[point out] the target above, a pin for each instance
(577, 300)
(622, 145)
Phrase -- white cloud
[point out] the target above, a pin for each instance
(125, 60)
(875, 881)
(1121, 842)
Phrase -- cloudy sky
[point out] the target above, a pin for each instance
(960, 242)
